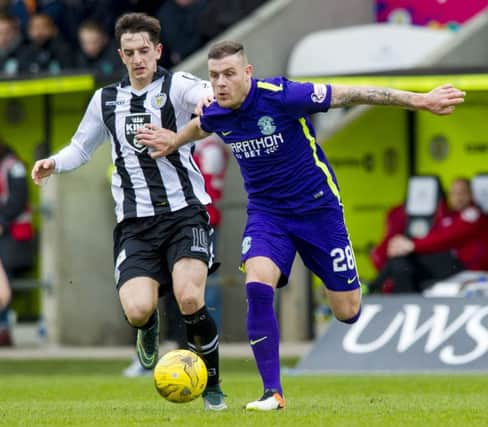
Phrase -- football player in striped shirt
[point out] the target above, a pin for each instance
(161, 241)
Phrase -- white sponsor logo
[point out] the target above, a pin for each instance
(436, 329)
(114, 103)
(257, 147)
(134, 122)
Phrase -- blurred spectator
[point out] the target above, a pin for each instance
(179, 27)
(396, 223)
(105, 12)
(212, 157)
(97, 53)
(16, 231)
(45, 51)
(459, 241)
(25, 9)
(10, 41)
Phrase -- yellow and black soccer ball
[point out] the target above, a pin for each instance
(180, 376)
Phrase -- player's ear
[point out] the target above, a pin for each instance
(159, 50)
(121, 54)
(249, 69)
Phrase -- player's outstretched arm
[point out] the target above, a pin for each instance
(164, 141)
(442, 100)
(42, 169)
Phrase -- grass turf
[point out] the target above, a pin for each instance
(93, 393)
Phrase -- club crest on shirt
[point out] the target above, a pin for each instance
(134, 122)
(266, 125)
(159, 100)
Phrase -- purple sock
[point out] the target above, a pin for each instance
(263, 333)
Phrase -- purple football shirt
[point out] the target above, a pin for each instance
(273, 140)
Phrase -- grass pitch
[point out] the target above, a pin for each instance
(94, 393)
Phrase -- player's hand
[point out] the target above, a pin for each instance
(42, 169)
(160, 140)
(399, 246)
(205, 102)
(443, 99)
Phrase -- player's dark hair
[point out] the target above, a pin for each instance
(225, 48)
(137, 23)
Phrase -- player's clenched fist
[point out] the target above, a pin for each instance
(42, 169)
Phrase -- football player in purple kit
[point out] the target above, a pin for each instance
(294, 203)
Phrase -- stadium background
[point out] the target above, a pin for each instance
(373, 156)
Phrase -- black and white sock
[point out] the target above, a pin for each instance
(203, 339)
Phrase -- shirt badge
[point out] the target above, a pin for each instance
(159, 100)
(266, 125)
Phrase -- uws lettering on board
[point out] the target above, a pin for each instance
(437, 330)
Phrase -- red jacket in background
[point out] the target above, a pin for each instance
(396, 223)
(465, 233)
(15, 214)
(212, 157)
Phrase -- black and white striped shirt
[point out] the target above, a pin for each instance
(141, 186)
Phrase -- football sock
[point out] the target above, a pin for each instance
(203, 339)
(263, 333)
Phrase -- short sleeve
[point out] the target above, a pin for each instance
(208, 118)
(306, 98)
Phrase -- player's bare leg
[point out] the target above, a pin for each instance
(345, 305)
(262, 276)
(139, 299)
(189, 277)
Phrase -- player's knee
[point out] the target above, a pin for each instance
(189, 304)
(349, 314)
(138, 313)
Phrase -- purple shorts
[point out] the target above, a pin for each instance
(321, 239)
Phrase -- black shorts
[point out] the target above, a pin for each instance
(150, 247)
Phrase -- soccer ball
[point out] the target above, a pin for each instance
(180, 376)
